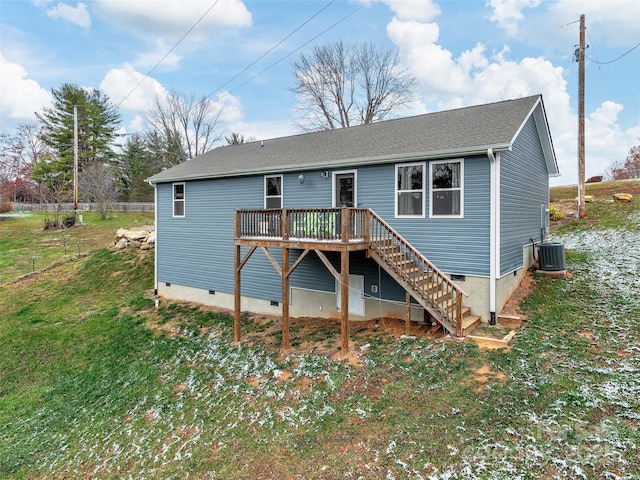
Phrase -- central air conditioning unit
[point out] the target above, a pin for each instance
(552, 257)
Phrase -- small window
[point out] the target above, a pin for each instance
(446, 179)
(410, 190)
(178, 199)
(273, 191)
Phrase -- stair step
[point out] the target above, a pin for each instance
(440, 296)
(469, 323)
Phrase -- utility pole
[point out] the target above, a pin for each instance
(75, 162)
(582, 211)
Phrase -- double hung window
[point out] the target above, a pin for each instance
(178, 199)
(447, 193)
(410, 183)
(273, 191)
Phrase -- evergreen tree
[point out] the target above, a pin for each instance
(98, 121)
(135, 164)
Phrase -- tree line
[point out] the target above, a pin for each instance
(336, 85)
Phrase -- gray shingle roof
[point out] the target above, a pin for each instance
(463, 131)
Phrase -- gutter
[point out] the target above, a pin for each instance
(354, 162)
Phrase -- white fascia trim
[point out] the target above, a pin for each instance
(346, 163)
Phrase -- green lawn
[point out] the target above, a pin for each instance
(25, 245)
(95, 382)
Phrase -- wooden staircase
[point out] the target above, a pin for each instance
(431, 288)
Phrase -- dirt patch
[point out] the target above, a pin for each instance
(323, 335)
(526, 286)
(485, 375)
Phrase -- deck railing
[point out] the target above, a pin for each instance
(310, 224)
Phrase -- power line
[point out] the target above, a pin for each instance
(168, 53)
(271, 49)
(299, 48)
(615, 59)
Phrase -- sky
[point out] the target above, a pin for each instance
(461, 53)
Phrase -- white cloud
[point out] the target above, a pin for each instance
(119, 82)
(420, 10)
(613, 21)
(20, 96)
(170, 61)
(507, 13)
(171, 19)
(228, 106)
(78, 15)
(473, 78)
(605, 141)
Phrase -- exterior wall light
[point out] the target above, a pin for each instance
(301, 178)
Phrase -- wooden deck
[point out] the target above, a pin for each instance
(345, 230)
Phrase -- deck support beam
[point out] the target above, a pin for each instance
(407, 313)
(285, 299)
(236, 294)
(344, 304)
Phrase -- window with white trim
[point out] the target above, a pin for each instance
(447, 190)
(178, 199)
(273, 191)
(410, 183)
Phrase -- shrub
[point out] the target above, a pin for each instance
(66, 221)
(5, 206)
(555, 213)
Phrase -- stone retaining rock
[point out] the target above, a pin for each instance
(143, 238)
(622, 197)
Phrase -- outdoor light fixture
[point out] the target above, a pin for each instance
(324, 173)
(301, 178)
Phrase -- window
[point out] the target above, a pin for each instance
(273, 191)
(178, 199)
(446, 180)
(410, 190)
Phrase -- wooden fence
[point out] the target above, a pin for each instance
(84, 207)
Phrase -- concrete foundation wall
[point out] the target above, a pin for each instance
(510, 282)
(477, 289)
(310, 303)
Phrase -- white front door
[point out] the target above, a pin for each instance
(356, 294)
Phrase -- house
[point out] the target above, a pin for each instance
(437, 213)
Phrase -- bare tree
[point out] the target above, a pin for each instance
(181, 127)
(19, 153)
(99, 185)
(340, 85)
(630, 168)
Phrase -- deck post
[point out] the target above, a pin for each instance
(344, 304)
(346, 224)
(236, 279)
(285, 299)
(459, 315)
(367, 226)
(407, 314)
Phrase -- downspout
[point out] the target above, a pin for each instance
(494, 233)
(155, 247)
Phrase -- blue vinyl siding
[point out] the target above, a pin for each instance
(197, 250)
(524, 188)
(455, 245)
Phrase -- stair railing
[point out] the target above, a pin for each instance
(434, 288)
